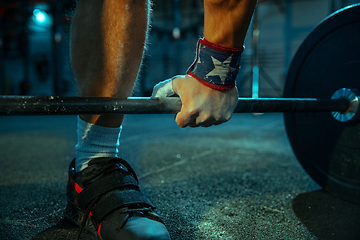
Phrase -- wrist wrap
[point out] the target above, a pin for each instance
(216, 66)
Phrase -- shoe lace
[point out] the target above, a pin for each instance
(111, 165)
(86, 216)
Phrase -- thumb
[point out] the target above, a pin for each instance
(163, 89)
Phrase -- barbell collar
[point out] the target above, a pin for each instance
(51, 105)
(353, 111)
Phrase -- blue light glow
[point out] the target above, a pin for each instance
(39, 16)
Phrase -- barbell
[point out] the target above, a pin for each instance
(344, 105)
(323, 78)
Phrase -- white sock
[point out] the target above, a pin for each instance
(94, 142)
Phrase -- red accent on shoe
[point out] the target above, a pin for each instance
(90, 214)
(219, 48)
(78, 189)
(210, 85)
(99, 230)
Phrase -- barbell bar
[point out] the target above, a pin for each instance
(344, 101)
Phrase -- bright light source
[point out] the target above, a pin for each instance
(40, 20)
(39, 16)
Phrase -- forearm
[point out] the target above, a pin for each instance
(226, 21)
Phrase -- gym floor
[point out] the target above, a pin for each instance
(239, 180)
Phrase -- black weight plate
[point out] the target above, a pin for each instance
(328, 59)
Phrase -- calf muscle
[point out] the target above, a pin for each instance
(107, 44)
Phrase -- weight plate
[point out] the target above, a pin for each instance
(327, 60)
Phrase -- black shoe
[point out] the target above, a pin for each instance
(105, 199)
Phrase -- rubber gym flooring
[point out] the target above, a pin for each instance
(239, 180)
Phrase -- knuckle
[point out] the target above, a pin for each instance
(193, 111)
(228, 116)
(218, 117)
(181, 123)
(204, 117)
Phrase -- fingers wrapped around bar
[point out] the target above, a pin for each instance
(201, 105)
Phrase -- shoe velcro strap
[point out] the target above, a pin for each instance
(118, 199)
(114, 180)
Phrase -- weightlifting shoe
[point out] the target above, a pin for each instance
(105, 199)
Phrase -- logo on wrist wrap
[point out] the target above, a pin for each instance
(216, 66)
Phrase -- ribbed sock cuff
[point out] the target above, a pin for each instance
(95, 141)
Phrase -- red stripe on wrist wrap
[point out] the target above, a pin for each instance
(216, 66)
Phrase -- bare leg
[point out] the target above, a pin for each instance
(107, 43)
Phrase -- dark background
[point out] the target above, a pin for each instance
(239, 180)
